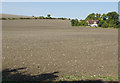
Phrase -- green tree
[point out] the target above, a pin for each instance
(117, 22)
(36, 17)
(4, 18)
(110, 19)
(98, 16)
(73, 22)
(117, 26)
(48, 16)
(69, 19)
(111, 23)
(83, 23)
(101, 23)
(91, 17)
(104, 17)
(76, 22)
(105, 25)
(112, 16)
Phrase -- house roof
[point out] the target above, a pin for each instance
(92, 21)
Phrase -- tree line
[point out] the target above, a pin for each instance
(33, 17)
(110, 19)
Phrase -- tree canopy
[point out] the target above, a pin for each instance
(48, 15)
(111, 19)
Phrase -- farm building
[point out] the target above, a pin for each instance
(93, 23)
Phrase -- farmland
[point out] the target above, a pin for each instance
(36, 47)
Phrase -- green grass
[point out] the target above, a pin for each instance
(87, 77)
(62, 79)
(74, 79)
(68, 77)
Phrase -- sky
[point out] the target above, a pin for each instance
(78, 10)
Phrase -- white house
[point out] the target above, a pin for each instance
(93, 23)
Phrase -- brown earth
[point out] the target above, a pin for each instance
(38, 47)
(13, 16)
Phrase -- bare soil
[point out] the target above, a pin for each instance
(37, 47)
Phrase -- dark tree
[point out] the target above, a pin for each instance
(48, 15)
